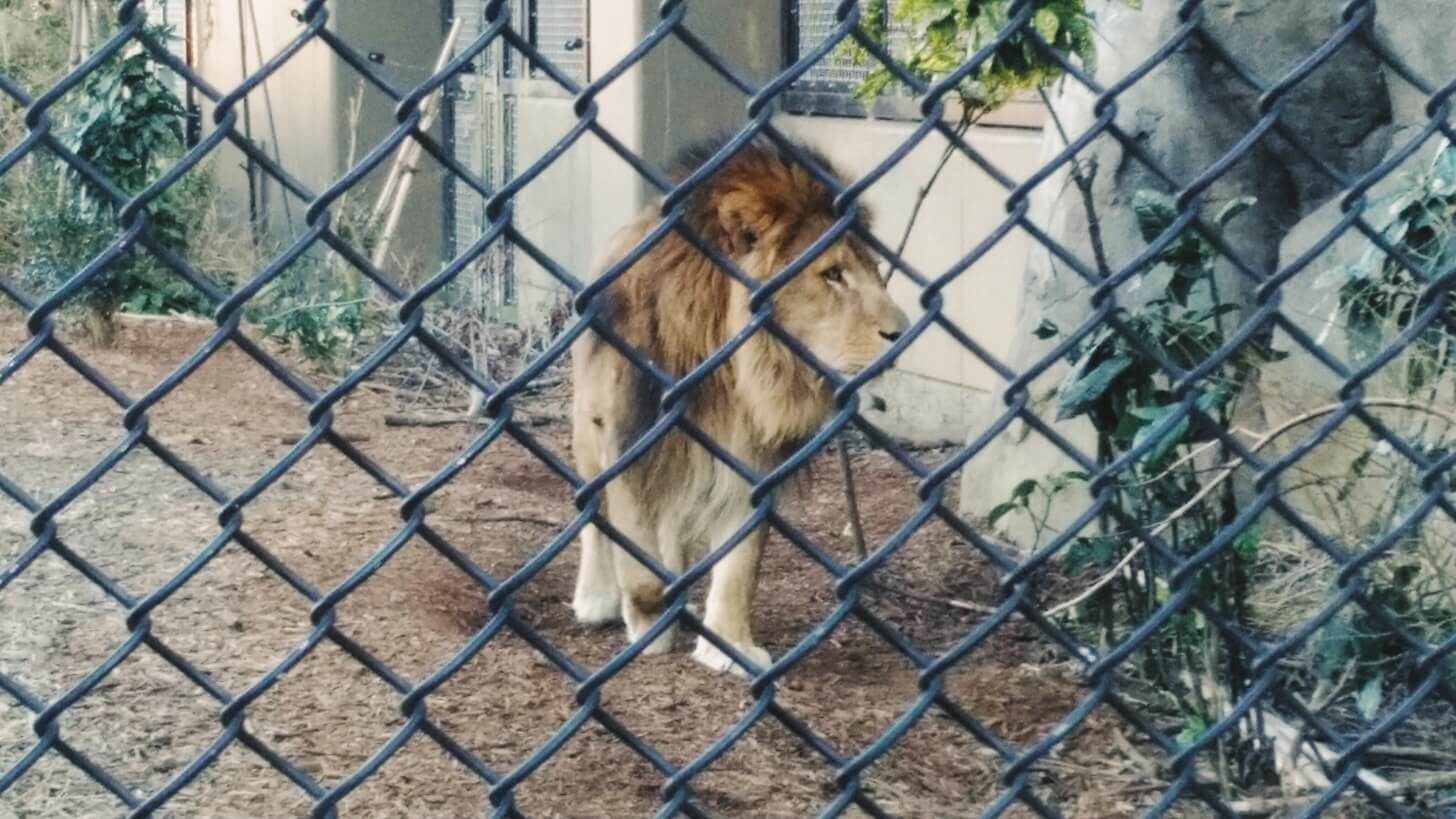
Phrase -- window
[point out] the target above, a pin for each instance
(558, 30)
(486, 101)
(828, 87)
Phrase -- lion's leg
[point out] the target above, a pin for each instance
(642, 600)
(730, 600)
(598, 598)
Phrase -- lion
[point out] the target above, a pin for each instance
(678, 502)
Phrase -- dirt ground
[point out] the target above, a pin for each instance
(141, 523)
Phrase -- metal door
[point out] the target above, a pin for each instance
(484, 108)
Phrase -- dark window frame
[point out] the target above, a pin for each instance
(812, 98)
(533, 36)
(821, 99)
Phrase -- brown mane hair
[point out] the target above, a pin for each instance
(762, 171)
(673, 305)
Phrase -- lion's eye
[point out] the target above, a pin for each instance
(834, 275)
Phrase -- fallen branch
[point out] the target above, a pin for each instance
(930, 446)
(170, 318)
(949, 602)
(1225, 472)
(543, 384)
(1263, 806)
(294, 437)
(554, 524)
(528, 418)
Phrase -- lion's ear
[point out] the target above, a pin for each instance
(743, 218)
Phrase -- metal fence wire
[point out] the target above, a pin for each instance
(1429, 683)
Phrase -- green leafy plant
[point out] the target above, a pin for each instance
(1379, 297)
(945, 33)
(126, 121)
(314, 308)
(1122, 390)
(320, 304)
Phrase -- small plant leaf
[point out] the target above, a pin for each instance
(1232, 209)
(1155, 211)
(1336, 645)
(1082, 390)
(1372, 695)
(1246, 545)
(1023, 490)
(1001, 511)
(1090, 551)
(1193, 728)
(1355, 472)
(1169, 439)
(1047, 24)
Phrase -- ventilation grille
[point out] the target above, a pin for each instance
(555, 25)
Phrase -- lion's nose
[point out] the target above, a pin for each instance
(893, 335)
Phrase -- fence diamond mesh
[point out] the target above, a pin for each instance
(1161, 596)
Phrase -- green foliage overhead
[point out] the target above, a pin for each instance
(944, 34)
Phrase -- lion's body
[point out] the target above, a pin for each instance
(676, 308)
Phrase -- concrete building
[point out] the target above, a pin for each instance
(502, 114)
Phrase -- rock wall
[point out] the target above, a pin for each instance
(1187, 114)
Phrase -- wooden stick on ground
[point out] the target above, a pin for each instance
(1263, 806)
(533, 419)
(851, 501)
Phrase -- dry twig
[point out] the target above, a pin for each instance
(529, 418)
(1263, 806)
(1226, 471)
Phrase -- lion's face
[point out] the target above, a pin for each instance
(839, 308)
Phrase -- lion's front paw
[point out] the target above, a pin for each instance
(710, 656)
(597, 608)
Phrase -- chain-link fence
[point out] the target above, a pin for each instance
(1174, 503)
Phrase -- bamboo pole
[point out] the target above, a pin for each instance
(401, 173)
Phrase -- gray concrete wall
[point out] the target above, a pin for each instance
(410, 37)
(301, 113)
(555, 212)
(303, 95)
(939, 385)
(684, 99)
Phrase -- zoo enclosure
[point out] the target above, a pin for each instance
(1256, 686)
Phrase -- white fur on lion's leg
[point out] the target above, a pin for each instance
(638, 622)
(598, 598)
(642, 601)
(730, 599)
(712, 657)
